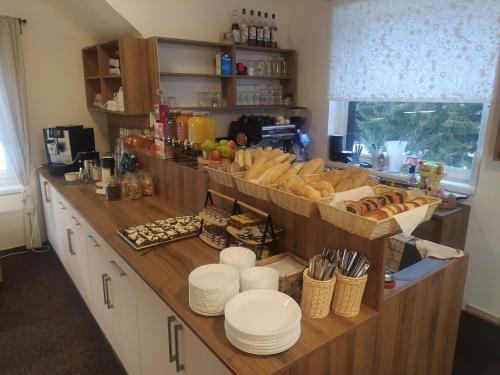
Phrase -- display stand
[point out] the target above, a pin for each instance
(268, 236)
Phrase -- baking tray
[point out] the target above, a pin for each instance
(147, 248)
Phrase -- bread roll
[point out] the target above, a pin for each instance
(311, 193)
(354, 207)
(344, 185)
(270, 177)
(323, 186)
(377, 215)
(291, 172)
(420, 201)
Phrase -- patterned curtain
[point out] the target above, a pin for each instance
(414, 50)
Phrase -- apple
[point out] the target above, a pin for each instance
(232, 145)
(215, 155)
(225, 151)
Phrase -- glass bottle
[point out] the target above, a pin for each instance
(182, 125)
(267, 32)
(235, 28)
(244, 27)
(252, 30)
(147, 185)
(274, 32)
(260, 30)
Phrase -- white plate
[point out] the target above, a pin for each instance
(263, 351)
(239, 257)
(262, 342)
(262, 312)
(259, 278)
(213, 277)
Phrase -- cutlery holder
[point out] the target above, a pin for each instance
(316, 296)
(348, 294)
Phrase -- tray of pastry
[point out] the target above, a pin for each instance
(143, 237)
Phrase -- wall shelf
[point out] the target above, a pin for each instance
(200, 75)
(264, 77)
(263, 49)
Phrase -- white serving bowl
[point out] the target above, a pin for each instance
(71, 176)
(238, 257)
(259, 278)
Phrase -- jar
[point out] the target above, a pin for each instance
(201, 127)
(147, 185)
(126, 184)
(181, 123)
(134, 188)
(113, 189)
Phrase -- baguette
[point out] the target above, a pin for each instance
(247, 159)
(263, 168)
(251, 173)
(311, 166)
(239, 158)
(271, 175)
(281, 158)
(290, 172)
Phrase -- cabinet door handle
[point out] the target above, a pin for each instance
(117, 267)
(104, 291)
(61, 205)
(107, 279)
(69, 232)
(92, 241)
(178, 365)
(170, 320)
(75, 220)
(45, 183)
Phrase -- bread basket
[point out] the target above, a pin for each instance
(362, 226)
(251, 188)
(221, 177)
(299, 205)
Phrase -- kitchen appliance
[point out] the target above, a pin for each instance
(67, 147)
(107, 167)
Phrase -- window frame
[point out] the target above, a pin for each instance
(340, 123)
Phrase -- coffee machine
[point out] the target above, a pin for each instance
(67, 147)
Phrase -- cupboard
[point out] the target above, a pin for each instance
(146, 335)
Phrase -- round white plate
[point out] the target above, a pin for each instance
(263, 341)
(239, 257)
(212, 277)
(262, 312)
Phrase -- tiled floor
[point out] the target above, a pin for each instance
(46, 329)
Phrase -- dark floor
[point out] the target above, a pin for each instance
(46, 329)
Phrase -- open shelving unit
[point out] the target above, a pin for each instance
(133, 73)
(181, 68)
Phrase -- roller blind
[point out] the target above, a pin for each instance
(414, 50)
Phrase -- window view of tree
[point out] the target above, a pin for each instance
(444, 132)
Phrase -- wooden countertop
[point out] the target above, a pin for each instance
(166, 271)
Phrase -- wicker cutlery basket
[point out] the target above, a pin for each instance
(362, 226)
(221, 177)
(348, 295)
(299, 205)
(251, 188)
(316, 296)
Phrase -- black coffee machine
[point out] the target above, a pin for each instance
(67, 147)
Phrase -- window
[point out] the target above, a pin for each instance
(3, 160)
(450, 133)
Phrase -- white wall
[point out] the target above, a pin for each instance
(483, 236)
(310, 35)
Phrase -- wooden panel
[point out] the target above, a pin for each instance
(352, 354)
(496, 155)
(135, 75)
(418, 325)
(153, 70)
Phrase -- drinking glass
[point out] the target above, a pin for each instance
(283, 67)
(269, 68)
(276, 67)
(261, 68)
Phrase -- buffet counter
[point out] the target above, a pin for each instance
(368, 343)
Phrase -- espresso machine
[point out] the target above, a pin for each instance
(67, 147)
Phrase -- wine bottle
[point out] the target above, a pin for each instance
(260, 30)
(252, 30)
(244, 27)
(274, 32)
(235, 28)
(267, 32)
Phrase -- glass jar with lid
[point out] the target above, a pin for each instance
(147, 185)
(112, 189)
(134, 187)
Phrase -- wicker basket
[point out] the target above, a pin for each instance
(221, 177)
(299, 205)
(362, 226)
(348, 295)
(290, 284)
(316, 296)
(252, 189)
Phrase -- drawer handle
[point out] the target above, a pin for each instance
(170, 320)
(117, 267)
(45, 183)
(92, 241)
(75, 221)
(178, 365)
(63, 207)
(107, 279)
(69, 232)
(104, 292)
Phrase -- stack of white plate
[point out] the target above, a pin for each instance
(211, 286)
(259, 278)
(262, 321)
(238, 257)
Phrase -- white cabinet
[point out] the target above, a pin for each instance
(167, 345)
(114, 301)
(48, 210)
(146, 335)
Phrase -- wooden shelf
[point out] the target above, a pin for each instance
(201, 75)
(111, 76)
(98, 109)
(234, 232)
(264, 77)
(197, 43)
(93, 77)
(263, 49)
(207, 219)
